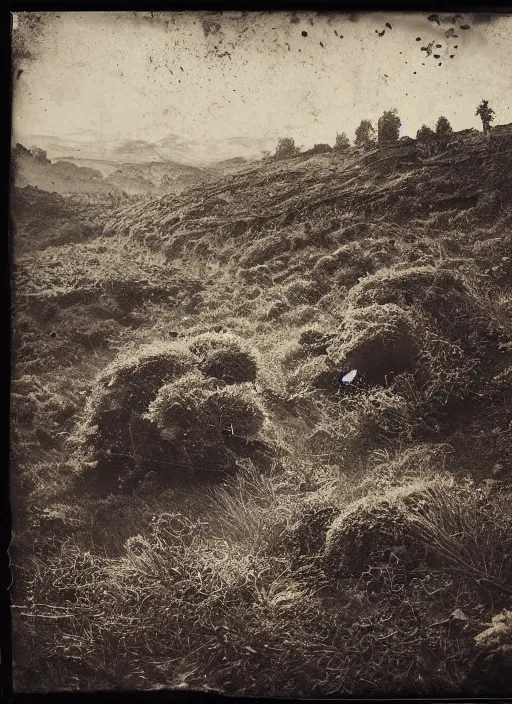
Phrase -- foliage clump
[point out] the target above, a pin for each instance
(116, 440)
(203, 424)
(319, 149)
(486, 114)
(370, 529)
(342, 143)
(286, 148)
(225, 356)
(440, 293)
(365, 135)
(388, 127)
(315, 374)
(437, 523)
(377, 340)
(444, 130)
(155, 412)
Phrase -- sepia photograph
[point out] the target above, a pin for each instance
(261, 384)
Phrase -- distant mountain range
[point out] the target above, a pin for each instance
(31, 167)
(202, 153)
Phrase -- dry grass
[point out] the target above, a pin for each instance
(202, 334)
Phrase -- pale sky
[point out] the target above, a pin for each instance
(254, 75)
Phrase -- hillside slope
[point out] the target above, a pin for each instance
(159, 177)
(214, 509)
(62, 177)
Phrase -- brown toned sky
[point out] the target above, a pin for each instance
(253, 77)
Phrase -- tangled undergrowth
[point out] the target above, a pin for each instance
(199, 503)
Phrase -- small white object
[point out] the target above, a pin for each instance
(349, 377)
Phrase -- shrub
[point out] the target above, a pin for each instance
(365, 135)
(286, 148)
(320, 149)
(116, 441)
(204, 425)
(342, 143)
(388, 127)
(236, 410)
(436, 523)
(427, 142)
(302, 292)
(224, 356)
(378, 341)
(442, 294)
(425, 135)
(486, 114)
(370, 529)
(444, 131)
(316, 374)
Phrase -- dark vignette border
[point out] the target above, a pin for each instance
(353, 7)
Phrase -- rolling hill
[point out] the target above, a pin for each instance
(215, 510)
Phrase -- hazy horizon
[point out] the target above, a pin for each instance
(230, 84)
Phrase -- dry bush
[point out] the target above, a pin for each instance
(207, 428)
(378, 341)
(369, 420)
(114, 438)
(302, 292)
(159, 411)
(368, 531)
(225, 356)
(432, 524)
(439, 293)
(315, 374)
(490, 671)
